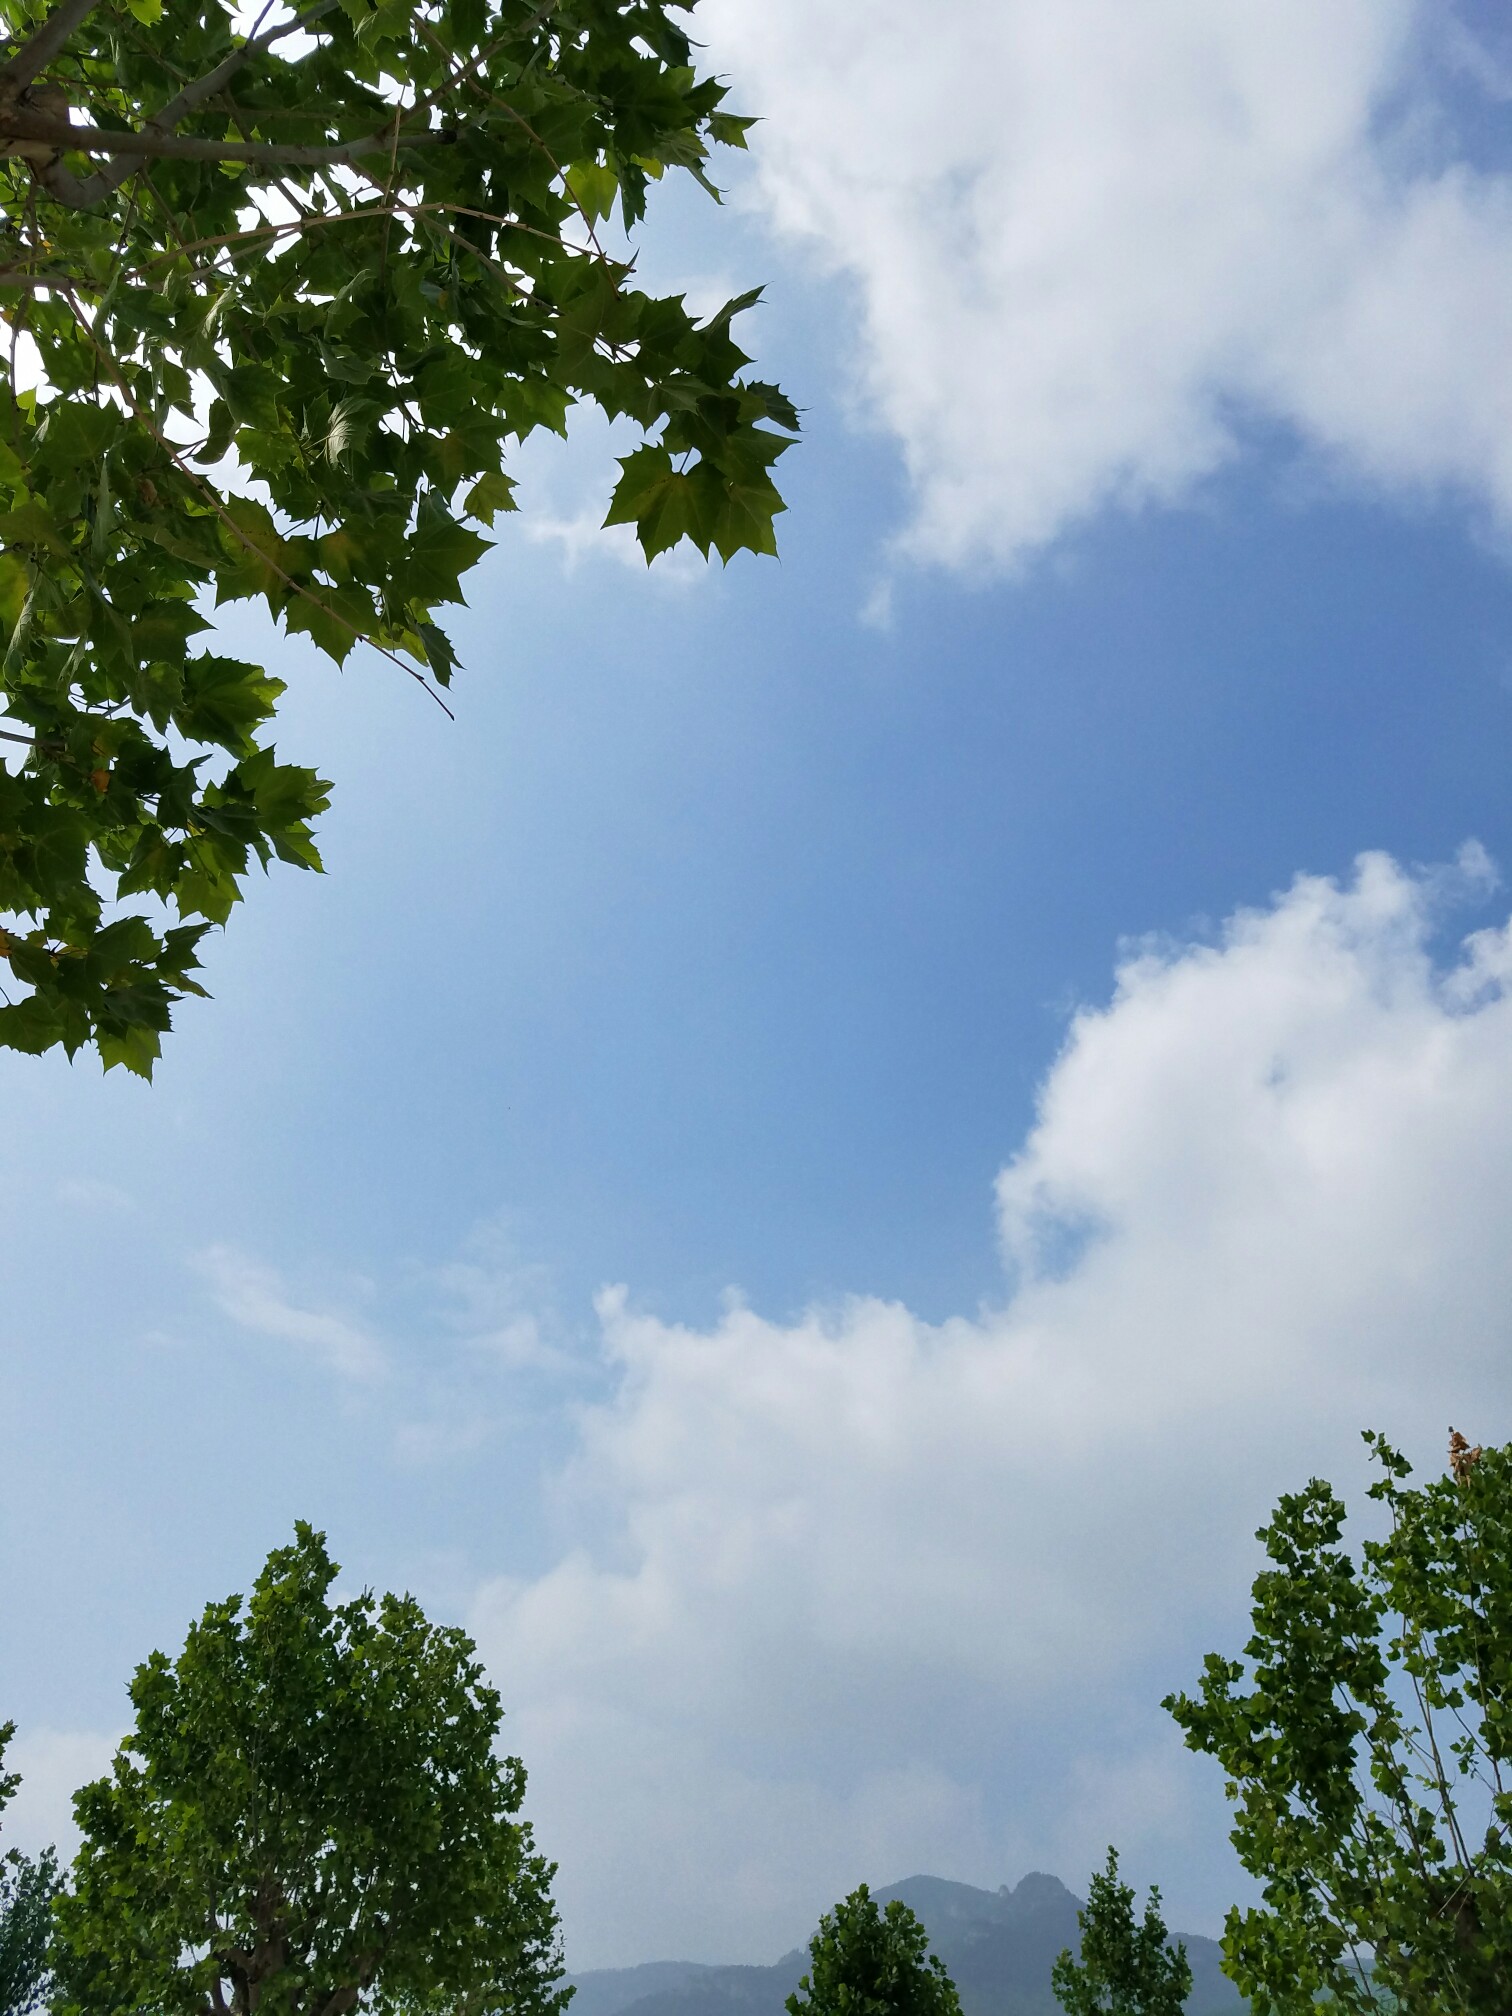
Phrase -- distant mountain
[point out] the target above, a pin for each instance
(998, 1946)
(605, 1991)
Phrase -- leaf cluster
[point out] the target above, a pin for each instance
(864, 1961)
(1366, 1737)
(27, 1888)
(279, 350)
(308, 1816)
(1125, 1968)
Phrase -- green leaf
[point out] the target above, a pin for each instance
(255, 553)
(32, 524)
(32, 1025)
(491, 494)
(662, 503)
(439, 654)
(351, 422)
(729, 131)
(165, 629)
(135, 1045)
(440, 552)
(224, 700)
(250, 392)
(337, 619)
(14, 585)
(593, 189)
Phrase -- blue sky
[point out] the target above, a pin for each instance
(746, 927)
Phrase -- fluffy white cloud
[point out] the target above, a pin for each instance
(825, 1570)
(1088, 239)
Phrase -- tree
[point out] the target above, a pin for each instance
(282, 289)
(1125, 1969)
(864, 1961)
(1367, 1743)
(307, 1816)
(26, 1894)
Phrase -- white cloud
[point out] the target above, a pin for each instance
(500, 1307)
(421, 1349)
(1087, 238)
(254, 1297)
(824, 1571)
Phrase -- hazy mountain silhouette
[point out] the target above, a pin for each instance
(998, 1946)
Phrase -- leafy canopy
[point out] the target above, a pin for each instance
(1367, 1740)
(1125, 1969)
(308, 1814)
(26, 1894)
(864, 1961)
(282, 290)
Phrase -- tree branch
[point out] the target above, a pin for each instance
(36, 129)
(194, 95)
(84, 195)
(37, 280)
(41, 136)
(33, 57)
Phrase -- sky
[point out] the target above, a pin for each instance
(819, 1159)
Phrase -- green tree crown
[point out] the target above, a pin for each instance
(26, 1893)
(1125, 1969)
(308, 1816)
(864, 1961)
(1366, 1737)
(279, 302)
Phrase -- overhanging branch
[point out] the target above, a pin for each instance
(43, 140)
(195, 94)
(37, 280)
(33, 57)
(37, 129)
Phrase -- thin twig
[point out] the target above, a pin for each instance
(312, 220)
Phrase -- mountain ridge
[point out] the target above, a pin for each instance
(997, 1945)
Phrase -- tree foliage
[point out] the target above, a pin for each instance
(864, 1961)
(26, 1893)
(1125, 1969)
(309, 1815)
(282, 290)
(1367, 1741)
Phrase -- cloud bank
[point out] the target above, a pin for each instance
(846, 1595)
(822, 1573)
(1091, 243)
